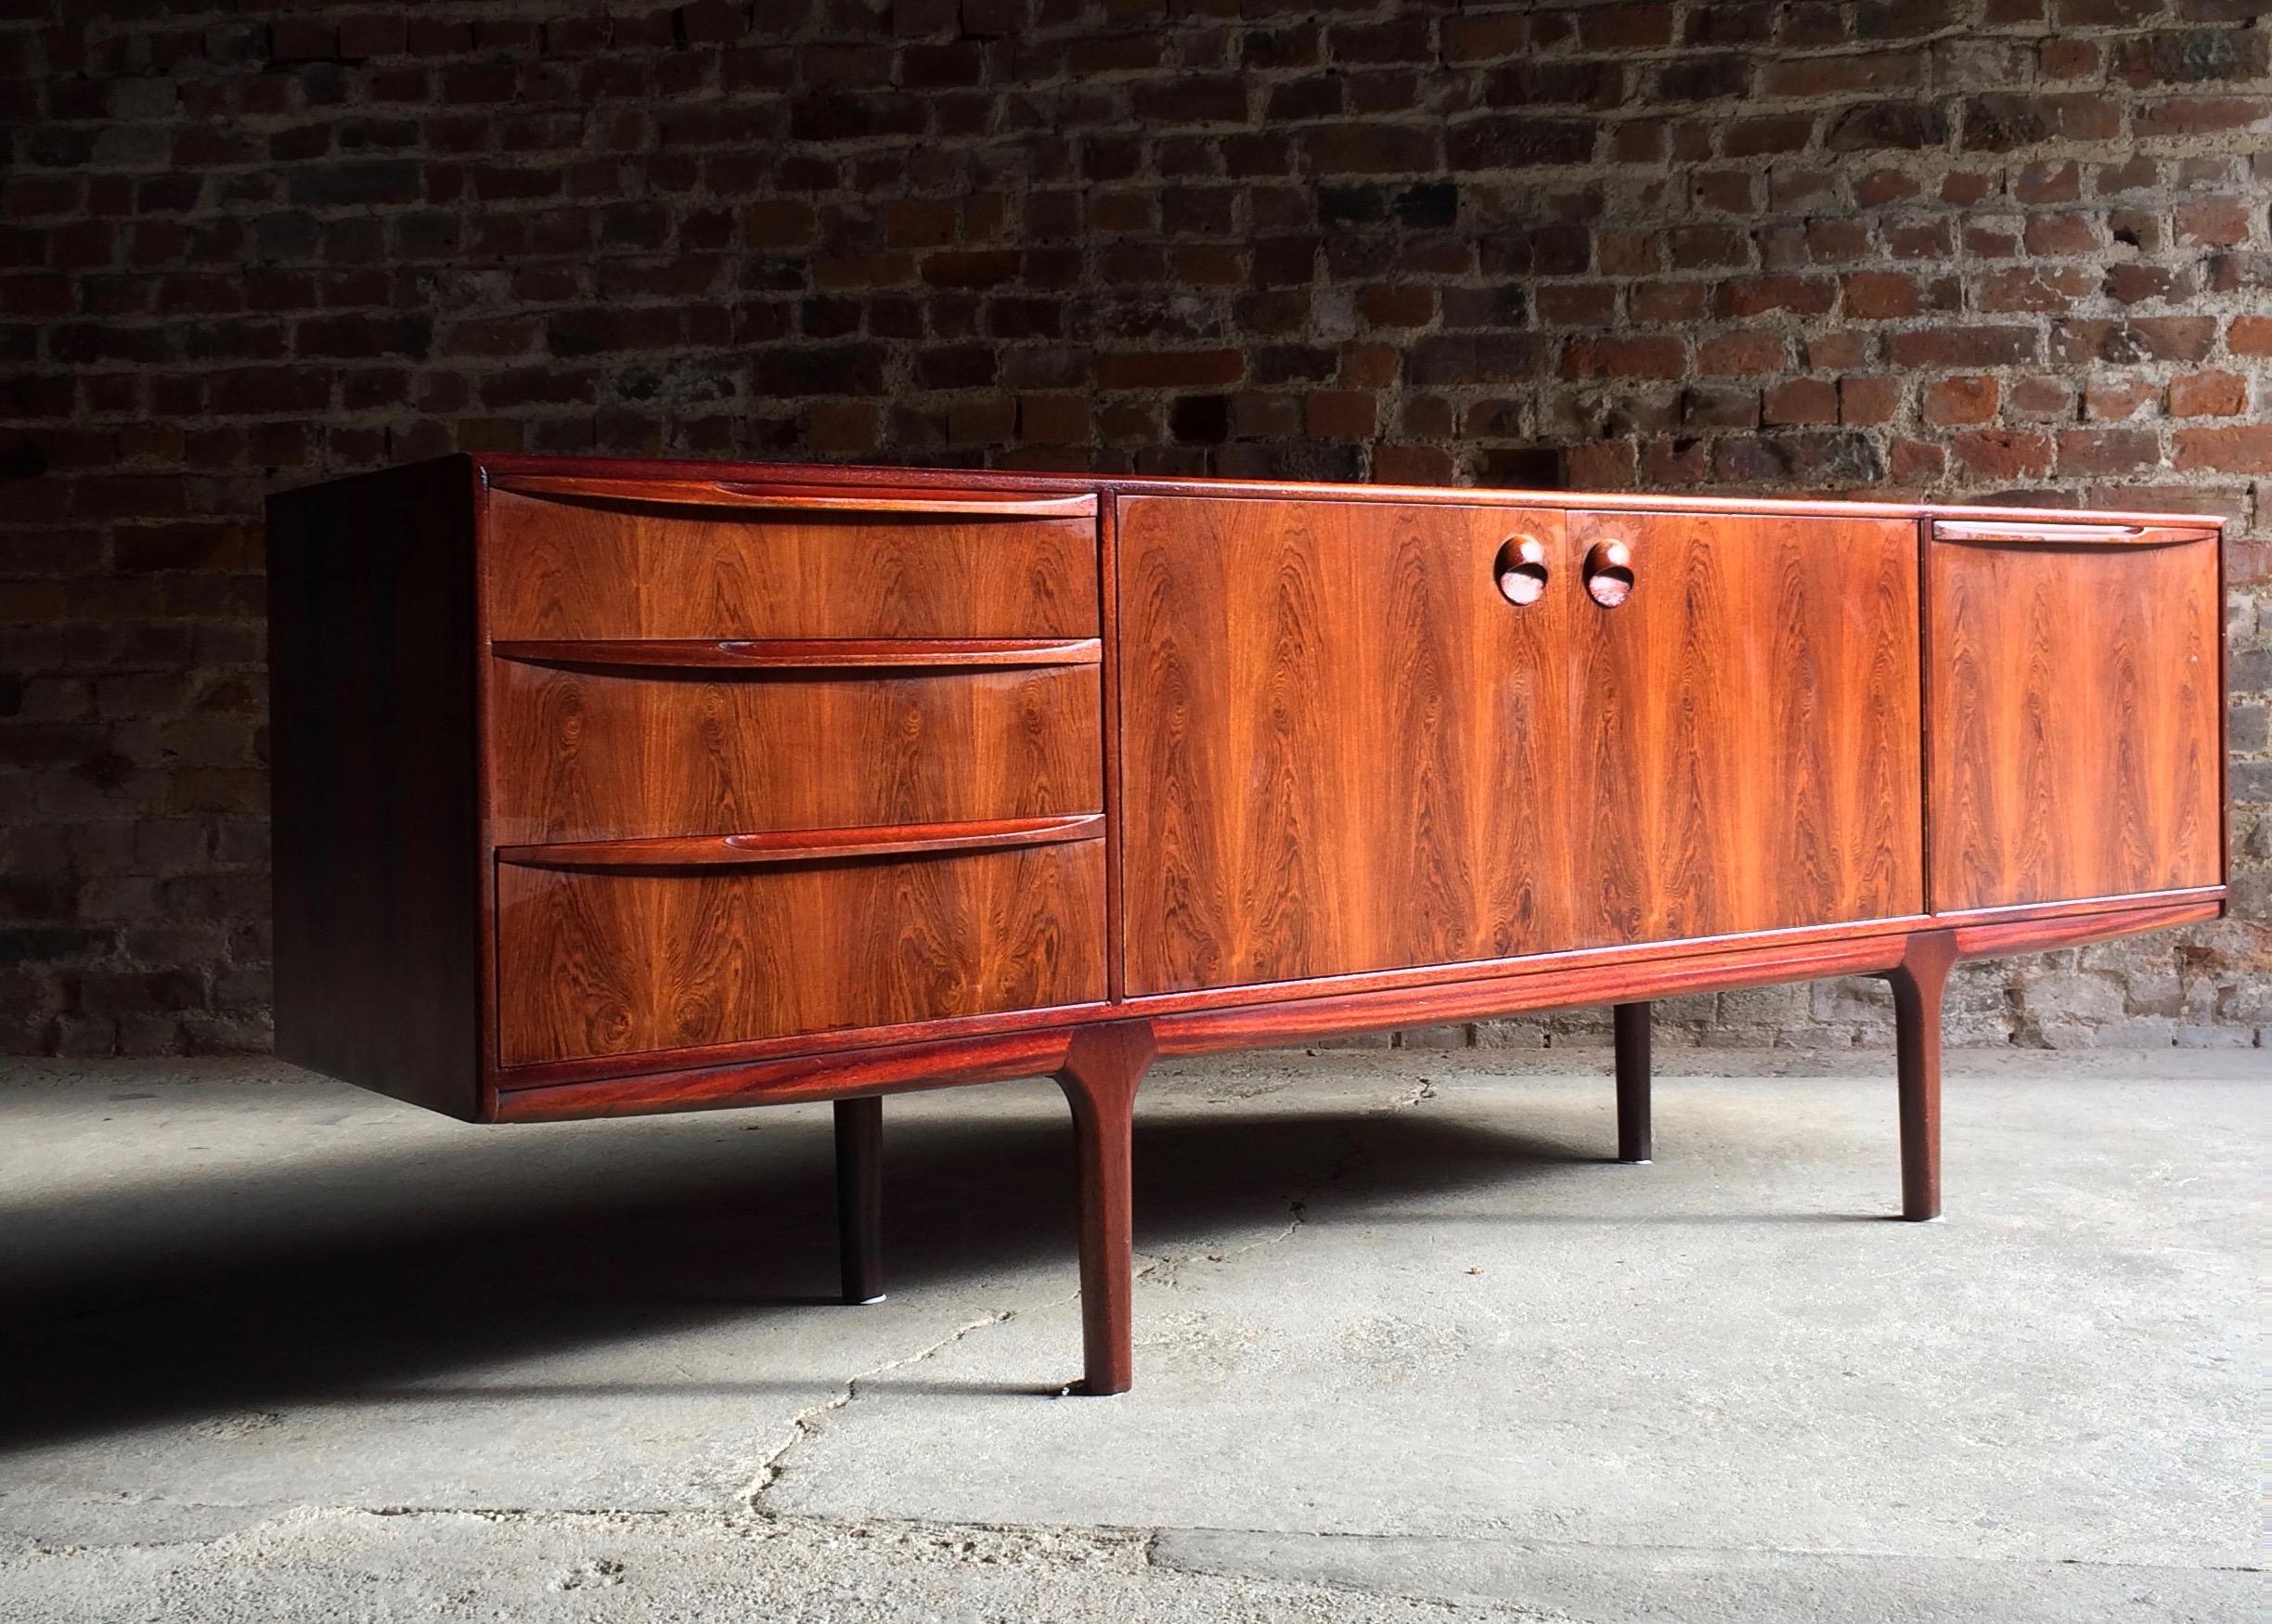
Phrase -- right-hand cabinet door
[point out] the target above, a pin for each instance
(1744, 710)
(2073, 702)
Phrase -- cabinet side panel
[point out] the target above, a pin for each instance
(2076, 707)
(373, 657)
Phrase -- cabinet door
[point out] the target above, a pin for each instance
(2075, 718)
(1342, 746)
(1745, 726)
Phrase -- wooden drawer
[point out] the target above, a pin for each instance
(601, 958)
(592, 744)
(2074, 707)
(569, 557)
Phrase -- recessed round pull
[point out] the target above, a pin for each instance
(1609, 573)
(1521, 569)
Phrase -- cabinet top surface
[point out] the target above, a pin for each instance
(878, 480)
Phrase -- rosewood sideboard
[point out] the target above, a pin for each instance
(604, 788)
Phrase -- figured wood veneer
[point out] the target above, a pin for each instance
(2075, 700)
(604, 753)
(606, 962)
(1345, 752)
(606, 788)
(584, 567)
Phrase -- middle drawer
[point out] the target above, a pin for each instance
(611, 752)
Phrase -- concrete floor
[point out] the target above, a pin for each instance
(1407, 1347)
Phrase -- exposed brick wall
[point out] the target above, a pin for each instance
(1946, 247)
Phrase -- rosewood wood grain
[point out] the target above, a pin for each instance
(756, 654)
(587, 568)
(1919, 981)
(806, 845)
(2074, 730)
(777, 497)
(1104, 1067)
(860, 1198)
(583, 755)
(1745, 727)
(1629, 1032)
(628, 962)
(1342, 747)
(799, 783)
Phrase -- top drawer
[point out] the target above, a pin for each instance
(569, 558)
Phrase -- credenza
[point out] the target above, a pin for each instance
(609, 787)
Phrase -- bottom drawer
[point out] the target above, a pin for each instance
(597, 961)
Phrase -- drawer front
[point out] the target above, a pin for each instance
(582, 566)
(586, 753)
(2073, 705)
(605, 962)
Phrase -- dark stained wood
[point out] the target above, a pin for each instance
(1104, 1067)
(2076, 724)
(1629, 1031)
(860, 1198)
(375, 824)
(589, 756)
(1340, 743)
(559, 568)
(1744, 749)
(805, 846)
(808, 653)
(1919, 981)
(612, 962)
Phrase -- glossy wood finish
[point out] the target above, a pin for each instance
(1732, 747)
(805, 846)
(761, 654)
(1104, 1067)
(582, 568)
(674, 786)
(1342, 746)
(2074, 731)
(860, 1198)
(1629, 1032)
(375, 824)
(1919, 981)
(628, 962)
(1745, 743)
(584, 755)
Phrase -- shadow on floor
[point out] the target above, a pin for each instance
(338, 1278)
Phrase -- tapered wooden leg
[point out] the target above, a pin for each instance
(1101, 1072)
(1918, 984)
(1630, 1022)
(860, 1198)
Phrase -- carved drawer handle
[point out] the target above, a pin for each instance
(1609, 572)
(1521, 569)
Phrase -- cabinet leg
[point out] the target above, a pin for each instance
(1103, 1070)
(1918, 984)
(1630, 1022)
(860, 1198)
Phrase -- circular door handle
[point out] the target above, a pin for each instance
(1521, 569)
(1609, 573)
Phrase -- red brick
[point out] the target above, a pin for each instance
(2116, 399)
(1740, 352)
(2250, 335)
(1801, 400)
(2208, 394)
(2243, 448)
(1169, 368)
(2003, 454)
(1968, 399)
(2087, 452)
(1864, 401)
(1642, 355)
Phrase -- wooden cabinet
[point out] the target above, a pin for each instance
(1345, 748)
(606, 787)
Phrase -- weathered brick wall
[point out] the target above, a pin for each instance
(1947, 247)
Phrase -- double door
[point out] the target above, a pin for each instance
(1361, 736)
